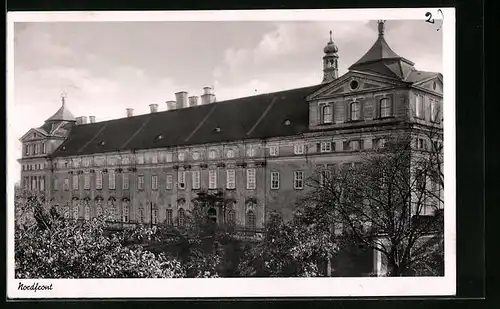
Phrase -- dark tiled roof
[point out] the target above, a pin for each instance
(260, 116)
(416, 76)
(62, 114)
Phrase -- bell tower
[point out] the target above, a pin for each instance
(330, 61)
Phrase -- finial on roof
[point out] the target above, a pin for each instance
(63, 97)
(331, 40)
(381, 27)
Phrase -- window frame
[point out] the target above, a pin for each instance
(169, 182)
(275, 180)
(125, 181)
(274, 151)
(195, 179)
(387, 109)
(154, 182)
(212, 179)
(181, 179)
(140, 182)
(98, 180)
(298, 148)
(355, 112)
(86, 181)
(231, 179)
(251, 174)
(419, 107)
(297, 180)
(325, 148)
(111, 180)
(329, 108)
(75, 183)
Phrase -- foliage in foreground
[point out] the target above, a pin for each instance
(56, 248)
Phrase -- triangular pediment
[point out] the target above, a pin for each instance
(33, 134)
(352, 83)
(434, 84)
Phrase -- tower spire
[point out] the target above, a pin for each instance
(381, 27)
(330, 65)
(63, 97)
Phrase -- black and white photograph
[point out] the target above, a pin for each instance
(231, 153)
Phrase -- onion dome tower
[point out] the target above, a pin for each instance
(330, 61)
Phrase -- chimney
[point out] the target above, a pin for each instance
(78, 120)
(153, 108)
(181, 98)
(130, 112)
(171, 105)
(193, 101)
(208, 96)
(92, 119)
(84, 120)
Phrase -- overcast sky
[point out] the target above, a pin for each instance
(106, 67)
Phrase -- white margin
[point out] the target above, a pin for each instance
(250, 287)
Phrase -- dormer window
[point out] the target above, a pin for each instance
(355, 111)
(385, 108)
(327, 114)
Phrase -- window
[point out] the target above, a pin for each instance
(273, 150)
(324, 177)
(26, 149)
(168, 157)
(182, 217)
(354, 145)
(251, 152)
(112, 209)
(33, 183)
(99, 207)
(44, 150)
(355, 111)
(434, 110)
(326, 147)
(250, 220)
(230, 153)
(327, 114)
(42, 183)
(211, 154)
(125, 181)
(275, 180)
(154, 158)
(154, 214)
(125, 211)
(154, 182)
(140, 159)
(212, 179)
(251, 183)
(419, 106)
(212, 215)
(87, 212)
(231, 179)
(168, 216)
(421, 144)
(196, 155)
(181, 178)
(112, 180)
(98, 180)
(37, 147)
(75, 182)
(169, 182)
(140, 182)
(298, 148)
(56, 184)
(86, 181)
(385, 108)
(75, 210)
(298, 180)
(196, 179)
(230, 216)
(181, 156)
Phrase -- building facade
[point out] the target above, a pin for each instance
(258, 150)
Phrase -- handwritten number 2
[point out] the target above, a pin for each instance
(429, 17)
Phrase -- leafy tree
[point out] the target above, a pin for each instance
(57, 248)
(384, 202)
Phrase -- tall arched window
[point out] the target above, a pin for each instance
(125, 211)
(98, 209)
(327, 114)
(168, 216)
(181, 217)
(230, 216)
(250, 220)
(385, 108)
(112, 208)
(75, 209)
(355, 111)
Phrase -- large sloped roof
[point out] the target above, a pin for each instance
(255, 117)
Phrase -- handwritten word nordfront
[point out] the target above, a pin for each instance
(34, 287)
